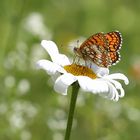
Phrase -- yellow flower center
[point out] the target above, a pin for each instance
(79, 70)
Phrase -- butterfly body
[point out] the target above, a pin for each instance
(102, 49)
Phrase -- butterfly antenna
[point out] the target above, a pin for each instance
(77, 43)
(74, 59)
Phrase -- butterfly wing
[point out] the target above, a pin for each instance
(95, 49)
(96, 39)
(114, 40)
(102, 49)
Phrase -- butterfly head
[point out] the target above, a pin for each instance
(77, 51)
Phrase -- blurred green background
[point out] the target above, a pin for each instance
(29, 107)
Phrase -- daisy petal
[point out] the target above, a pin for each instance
(119, 87)
(53, 51)
(100, 71)
(112, 94)
(119, 76)
(48, 66)
(55, 76)
(63, 60)
(63, 82)
(90, 85)
(50, 47)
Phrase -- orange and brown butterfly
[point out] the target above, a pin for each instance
(101, 48)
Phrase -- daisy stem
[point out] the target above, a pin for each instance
(75, 89)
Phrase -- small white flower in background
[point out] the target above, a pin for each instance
(96, 80)
(34, 23)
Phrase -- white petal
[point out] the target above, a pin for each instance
(85, 83)
(55, 76)
(63, 60)
(100, 71)
(50, 67)
(119, 87)
(112, 94)
(63, 82)
(50, 47)
(105, 88)
(53, 51)
(95, 86)
(119, 76)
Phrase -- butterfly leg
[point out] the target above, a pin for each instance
(88, 64)
(76, 59)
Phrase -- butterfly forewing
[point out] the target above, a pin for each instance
(93, 47)
(97, 39)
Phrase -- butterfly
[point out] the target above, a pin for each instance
(101, 48)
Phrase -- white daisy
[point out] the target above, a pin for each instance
(96, 80)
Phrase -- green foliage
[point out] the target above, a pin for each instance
(29, 107)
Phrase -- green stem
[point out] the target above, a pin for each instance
(75, 89)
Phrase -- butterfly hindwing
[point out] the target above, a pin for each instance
(114, 40)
